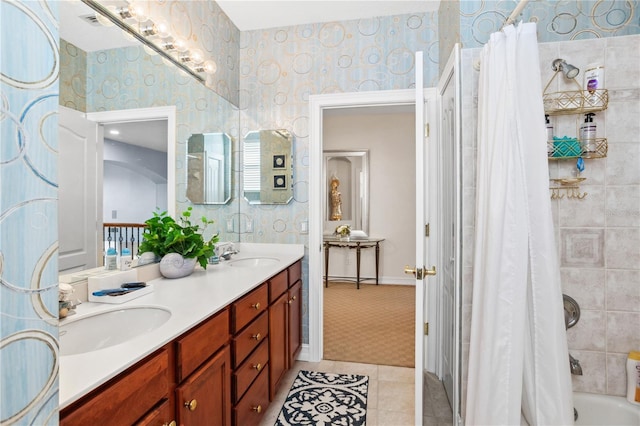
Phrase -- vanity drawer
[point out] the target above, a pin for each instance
(244, 375)
(295, 272)
(245, 342)
(127, 399)
(277, 286)
(195, 347)
(249, 307)
(254, 403)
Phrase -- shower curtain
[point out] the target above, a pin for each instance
(518, 355)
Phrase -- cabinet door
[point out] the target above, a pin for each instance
(205, 398)
(278, 313)
(250, 410)
(295, 323)
(159, 416)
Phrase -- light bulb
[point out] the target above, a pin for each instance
(163, 28)
(149, 29)
(138, 11)
(197, 56)
(180, 44)
(210, 67)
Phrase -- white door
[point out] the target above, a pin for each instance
(449, 231)
(78, 194)
(425, 166)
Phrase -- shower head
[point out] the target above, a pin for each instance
(568, 70)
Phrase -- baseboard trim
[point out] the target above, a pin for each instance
(303, 355)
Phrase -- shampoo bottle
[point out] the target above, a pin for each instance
(549, 135)
(593, 81)
(111, 259)
(633, 377)
(125, 259)
(588, 134)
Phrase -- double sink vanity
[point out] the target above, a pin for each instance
(207, 349)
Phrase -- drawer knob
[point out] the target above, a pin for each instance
(171, 423)
(293, 298)
(258, 366)
(257, 336)
(257, 409)
(191, 405)
(256, 306)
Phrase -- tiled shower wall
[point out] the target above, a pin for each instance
(598, 237)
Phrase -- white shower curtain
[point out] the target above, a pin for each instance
(518, 355)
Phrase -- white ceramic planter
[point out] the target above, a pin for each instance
(173, 265)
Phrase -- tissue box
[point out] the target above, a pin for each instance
(115, 280)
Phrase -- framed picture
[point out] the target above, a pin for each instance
(279, 162)
(280, 182)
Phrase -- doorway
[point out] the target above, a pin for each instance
(383, 190)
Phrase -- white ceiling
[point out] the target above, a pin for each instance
(147, 134)
(260, 14)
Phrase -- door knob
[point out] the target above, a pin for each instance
(419, 273)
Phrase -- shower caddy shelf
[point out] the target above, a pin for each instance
(573, 102)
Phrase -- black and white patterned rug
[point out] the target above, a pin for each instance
(323, 399)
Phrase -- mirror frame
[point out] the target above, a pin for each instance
(227, 147)
(360, 223)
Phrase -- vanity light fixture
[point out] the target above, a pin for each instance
(154, 34)
(568, 70)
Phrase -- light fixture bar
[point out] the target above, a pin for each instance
(107, 13)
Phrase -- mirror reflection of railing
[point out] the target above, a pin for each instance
(267, 167)
(122, 235)
(209, 168)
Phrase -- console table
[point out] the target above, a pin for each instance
(358, 245)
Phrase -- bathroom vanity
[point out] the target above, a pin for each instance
(233, 331)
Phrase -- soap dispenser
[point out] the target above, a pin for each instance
(588, 134)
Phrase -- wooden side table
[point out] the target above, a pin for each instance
(358, 245)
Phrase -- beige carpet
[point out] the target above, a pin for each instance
(373, 325)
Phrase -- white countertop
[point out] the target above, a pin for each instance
(190, 300)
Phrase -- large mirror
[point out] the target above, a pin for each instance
(100, 74)
(267, 167)
(346, 191)
(209, 168)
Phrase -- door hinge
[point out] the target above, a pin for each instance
(426, 130)
(426, 230)
(426, 328)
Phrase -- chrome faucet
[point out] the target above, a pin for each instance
(227, 254)
(576, 368)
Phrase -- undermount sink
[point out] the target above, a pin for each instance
(108, 328)
(254, 262)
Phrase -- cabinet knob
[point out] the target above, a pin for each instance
(289, 302)
(256, 306)
(171, 423)
(257, 336)
(257, 409)
(258, 366)
(191, 405)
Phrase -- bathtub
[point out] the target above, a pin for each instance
(605, 410)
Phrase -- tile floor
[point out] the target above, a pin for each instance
(390, 398)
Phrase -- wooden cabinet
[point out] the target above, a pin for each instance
(285, 326)
(222, 371)
(204, 398)
(250, 347)
(127, 398)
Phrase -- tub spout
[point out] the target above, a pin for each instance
(576, 368)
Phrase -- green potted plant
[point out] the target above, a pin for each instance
(179, 243)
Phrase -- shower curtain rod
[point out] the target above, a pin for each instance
(516, 12)
(510, 20)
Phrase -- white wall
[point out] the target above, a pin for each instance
(135, 182)
(390, 139)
